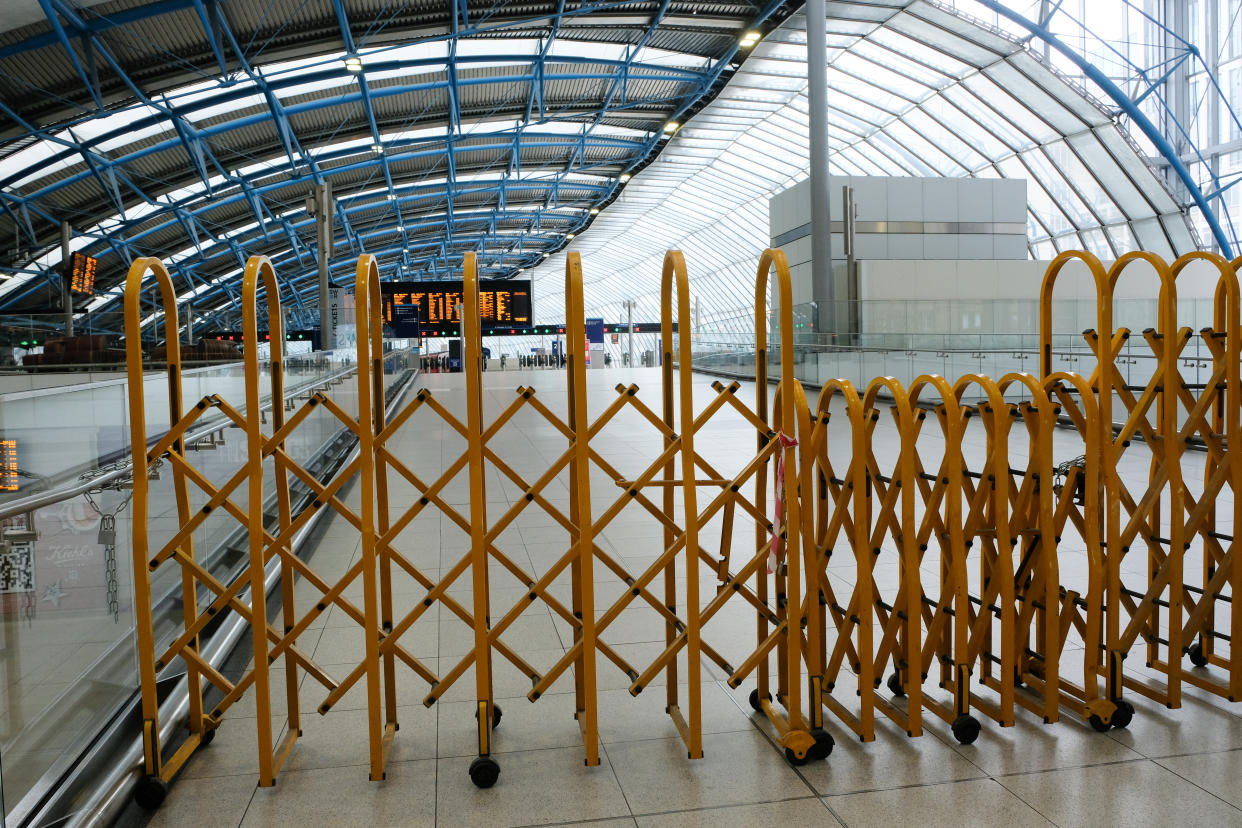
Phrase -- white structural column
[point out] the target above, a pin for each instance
(323, 223)
(66, 274)
(823, 289)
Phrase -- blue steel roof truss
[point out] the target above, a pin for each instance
(585, 163)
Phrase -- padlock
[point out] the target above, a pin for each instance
(107, 530)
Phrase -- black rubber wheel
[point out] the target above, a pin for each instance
(966, 729)
(150, 793)
(793, 759)
(496, 715)
(824, 743)
(209, 736)
(894, 685)
(754, 701)
(1197, 657)
(1123, 714)
(484, 772)
(1098, 724)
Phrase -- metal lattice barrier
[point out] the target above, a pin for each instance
(932, 540)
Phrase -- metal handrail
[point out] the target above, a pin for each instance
(110, 796)
(37, 501)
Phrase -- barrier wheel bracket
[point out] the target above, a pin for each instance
(150, 793)
(1098, 724)
(966, 729)
(496, 714)
(484, 771)
(894, 685)
(792, 757)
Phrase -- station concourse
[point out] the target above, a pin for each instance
(656, 413)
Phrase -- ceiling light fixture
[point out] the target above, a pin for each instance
(671, 127)
(750, 39)
(625, 177)
(377, 148)
(569, 235)
(595, 211)
(353, 64)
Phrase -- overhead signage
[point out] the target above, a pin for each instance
(82, 270)
(503, 303)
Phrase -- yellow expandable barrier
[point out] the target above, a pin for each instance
(937, 550)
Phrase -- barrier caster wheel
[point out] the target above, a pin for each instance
(484, 772)
(1197, 657)
(966, 729)
(1098, 724)
(209, 736)
(894, 685)
(1123, 714)
(150, 793)
(496, 714)
(793, 759)
(824, 744)
(754, 701)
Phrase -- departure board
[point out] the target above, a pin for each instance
(8, 466)
(82, 269)
(502, 303)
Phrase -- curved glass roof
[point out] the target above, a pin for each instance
(922, 90)
(512, 134)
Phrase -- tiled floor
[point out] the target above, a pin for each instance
(1170, 767)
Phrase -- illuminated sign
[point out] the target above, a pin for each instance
(503, 303)
(82, 269)
(8, 465)
(452, 330)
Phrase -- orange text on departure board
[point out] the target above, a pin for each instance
(82, 269)
(438, 305)
(8, 465)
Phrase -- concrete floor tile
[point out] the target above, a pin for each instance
(331, 796)
(1216, 773)
(979, 802)
(736, 768)
(525, 793)
(1130, 794)
(206, 803)
(793, 812)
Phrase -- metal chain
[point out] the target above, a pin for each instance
(114, 605)
(107, 526)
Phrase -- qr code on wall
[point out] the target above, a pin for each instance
(17, 572)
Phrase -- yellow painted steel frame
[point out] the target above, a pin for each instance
(1165, 567)
(901, 636)
(586, 699)
(946, 617)
(675, 279)
(472, 367)
(200, 727)
(1107, 487)
(1215, 421)
(259, 269)
(792, 725)
(1221, 567)
(381, 728)
(844, 507)
(1060, 606)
